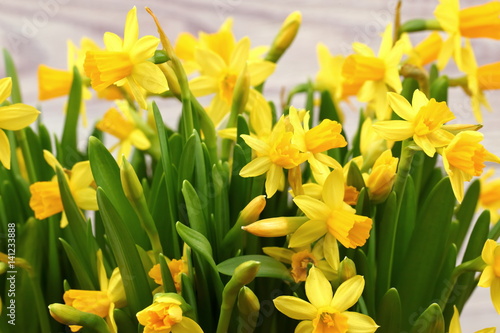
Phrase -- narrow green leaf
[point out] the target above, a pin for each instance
(354, 177)
(269, 267)
(194, 208)
(389, 312)
(188, 293)
(10, 70)
(439, 89)
(466, 210)
(409, 86)
(124, 322)
(69, 151)
(430, 321)
(81, 272)
(166, 275)
(121, 242)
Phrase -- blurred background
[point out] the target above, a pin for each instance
(36, 32)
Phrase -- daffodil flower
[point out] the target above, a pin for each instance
(381, 177)
(273, 155)
(316, 141)
(99, 302)
(472, 22)
(166, 315)
(490, 192)
(125, 62)
(377, 73)
(455, 324)
(463, 158)
(122, 126)
(423, 120)
(300, 258)
(331, 217)
(326, 311)
(46, 199)
(13, 117)
(490, 278)
(424, 52)
(176, 267)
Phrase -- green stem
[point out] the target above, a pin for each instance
(404, 167)
(416, 25)
(22, 141)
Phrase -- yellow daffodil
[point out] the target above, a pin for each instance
(329, 76)
(326, 311)
(46, 200)
(125, 62)
(166, 315)
(331, 217)
(371, 144)
(423, 120)
(176, 267)
(13, 117)
(490, 278)
(464, 158)
(99, 302)
(382, 176)
(122, 126)
(316, 141)
(455, 324)
(300, 258)
(219, 75)
(272, 156)
(490, 192)
(377, 73)
(472, 22)
(424, 52)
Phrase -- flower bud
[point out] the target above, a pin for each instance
(130, 182)
(347, 270)
(246, 272)
(285, 36)
(248, 307)
(173, 83)
(382, 177)
(275, 226)
(68, 315)
(252, 210)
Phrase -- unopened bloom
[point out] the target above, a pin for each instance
(481, 21)
(325, 311)
(381, 178)
(490, 278)
(273, 155)
(331, 217)
(166, 315)
(423, 120)
(13, 117)
(125, 61)
(378, 73)
(464, 158)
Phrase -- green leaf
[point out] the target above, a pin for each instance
(354, 177)
(188, 293)
(81, 272)
(69, 153)
(466, 210)
(129, 262)
(439, 89)
(409, 86)
(124, 322)
(389, 312)
(430, 321)
(10, 70)
(269, 267)
(166, 275)
(107, 176)
(194, 208)
(427, 250)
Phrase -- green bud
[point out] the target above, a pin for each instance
(248, 307)
(285, 36)
(347, 269)
(68, 315)
(130, 182)
(246, 272)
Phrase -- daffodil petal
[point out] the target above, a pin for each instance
(279, 253)
(261, 147)
(259, 71)
(139, 139)
(348, 293)
(203, 85)
(308, 233)
(423, 142)
(86, 198)
(211, 63)
(295, 308)
(362, 49)
(17, 116)
(360, 323)
(488, 251)
(274, 179)
(144, 48)
(394, 130)
(131, 30)
(401, 106)
(81, 175)
(256, 167)
(333, 189)
(5, 88)
(495, 293)
(239, 56)
(150, 77)
(186, 325)
(313, 208)
(305, 326)
(318, 289)
(331, 251)
(112, 42)
(4, 150)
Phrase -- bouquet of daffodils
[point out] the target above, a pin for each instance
(251, 216)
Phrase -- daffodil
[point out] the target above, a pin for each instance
(463, 158)
(218, 75)
(166, 315)
(300, 258)
(272, 156)
(455, 324)
(490, 278)
(481, 21)
(423, 120)
(381, 177)
(424, 52)
(13, 117)
(329, 76)
(316, 141)
(99, 302)
(46, 199)
(378, 73)
(490, 192)
(176, 267)
(326, 311)
(125, 62)
(331, 217)
(120, 124)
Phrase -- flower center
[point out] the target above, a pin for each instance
(105, 67)
(431, 117)
(300, 262)
(467, 156)
(284, 154)
(226, 87)
(329, 321)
